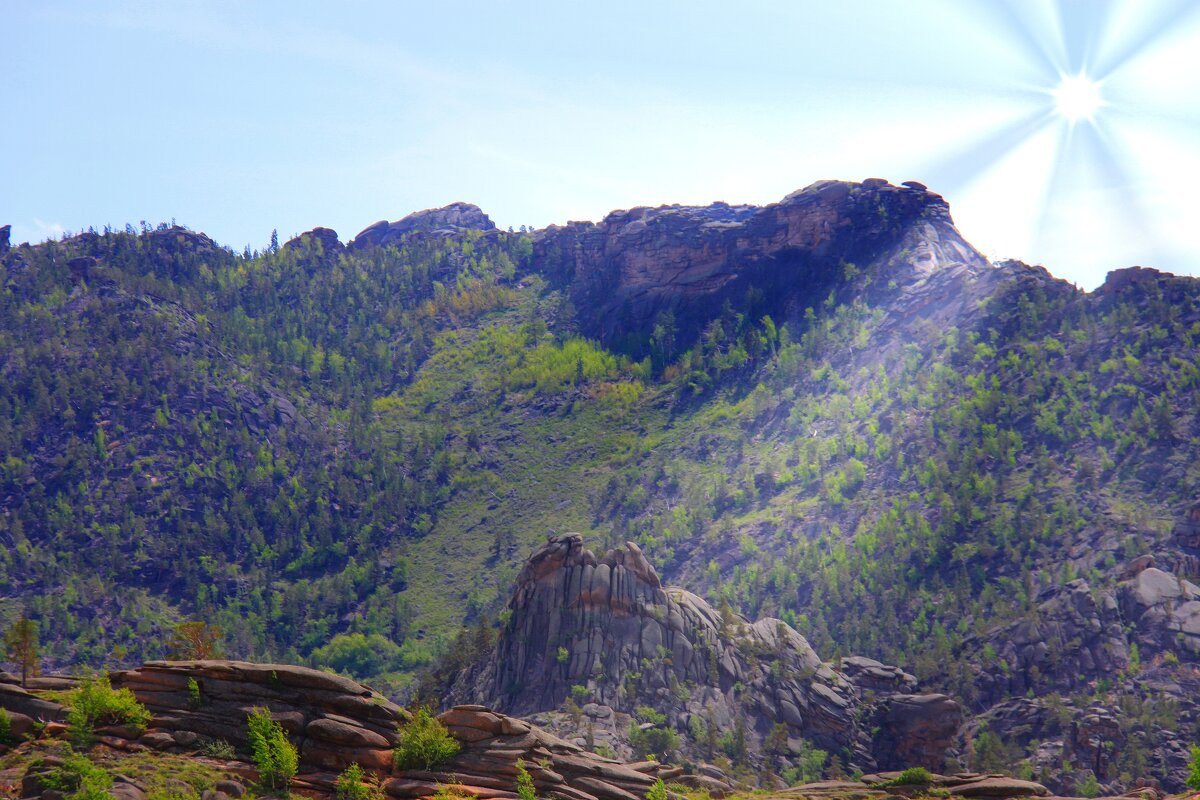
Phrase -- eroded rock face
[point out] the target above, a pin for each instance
(333, 720)
(1139, 637)
(608, 625)
(627, 270)
(5, 232)
(1075, 635)
(448, 219)
(493, 744)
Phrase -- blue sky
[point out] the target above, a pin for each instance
(239, 118)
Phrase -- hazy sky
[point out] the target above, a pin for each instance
(236, 118)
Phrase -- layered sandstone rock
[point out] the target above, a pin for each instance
(493, 744)
(333, 720)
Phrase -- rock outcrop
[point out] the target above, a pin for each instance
(493, 744)
(446, 220)
(5, 232)
(1128, 645)
(316, 244)
(626, 271)
(26, 709)
(335, 722)
(606, 628)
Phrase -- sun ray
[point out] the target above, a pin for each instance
(1113, 166)
(1052, 189)
(1022, 35)
(1088, 184)
(1168, 19)
(955, 173)
(1082, 25)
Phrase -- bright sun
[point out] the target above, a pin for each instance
(1078, 98)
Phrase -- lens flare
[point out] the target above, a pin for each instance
(1077, 98)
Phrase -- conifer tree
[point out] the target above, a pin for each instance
(21, 647)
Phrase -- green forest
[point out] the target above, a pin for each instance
(341, 458)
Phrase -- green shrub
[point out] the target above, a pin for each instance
(79, 779)
(656, 742)
(353, 784)
(913, 776)
(193, 693)
(525, 788)
(6, 736)
(657, 791)
(218, 748)
(1193, 779)
(274, 755)
(452, 792)
(424, 743)
(94, 703)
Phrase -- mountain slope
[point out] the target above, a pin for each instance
(830, 410)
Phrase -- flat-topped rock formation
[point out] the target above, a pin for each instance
(635, 265)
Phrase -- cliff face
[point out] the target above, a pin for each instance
(607, 625)
(626, 273)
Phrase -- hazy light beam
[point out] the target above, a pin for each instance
(1003, 13)
(1175, 15)
(960, 170)
(1082, 24)
(1107, 159)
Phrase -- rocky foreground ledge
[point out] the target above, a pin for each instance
(334, 722)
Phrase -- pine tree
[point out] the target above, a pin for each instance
(21, 647)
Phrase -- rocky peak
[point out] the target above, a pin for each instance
(177, 237)
(316, 243)
(607, 625)
(1144, 286)
(627, 270)
(446, 220)
(5, 232)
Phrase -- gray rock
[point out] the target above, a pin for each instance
(634, 643)
(231, 788)
(448, 219)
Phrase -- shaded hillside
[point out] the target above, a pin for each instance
(830, 410)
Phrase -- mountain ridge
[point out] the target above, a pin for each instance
(342, 456)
